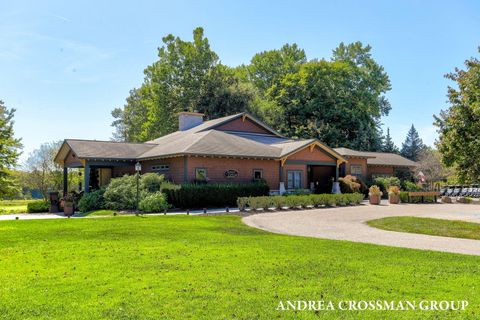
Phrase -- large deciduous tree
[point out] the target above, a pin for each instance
(43, 173)
(413, 145)
(459, 125)
(9, 151)
(187, 76)
(339, 102)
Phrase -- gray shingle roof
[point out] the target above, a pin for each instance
(378, 158)
(90, 149)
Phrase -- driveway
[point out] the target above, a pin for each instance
(348, 223)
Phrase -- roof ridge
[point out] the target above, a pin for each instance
(110, 141)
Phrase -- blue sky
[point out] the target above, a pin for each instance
(65, 65)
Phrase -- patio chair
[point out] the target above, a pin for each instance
(443, 190)
(456, 191)
(475, 191)
(464, 191)
(449, 192)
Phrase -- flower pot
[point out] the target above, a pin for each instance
(374, 199)
(393, 198)
(68, 209)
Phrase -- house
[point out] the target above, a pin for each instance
(236, 148)
(369, 165)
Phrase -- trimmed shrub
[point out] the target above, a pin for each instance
(38, 206)
(121, 193)
(410, 186)
(154, 202)
(213, 195)
(403, 196)
(92, 201)
(299, 201)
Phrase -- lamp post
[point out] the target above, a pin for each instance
(138, 168)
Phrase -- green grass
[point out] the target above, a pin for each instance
(101, 213)
(191, 267)
(13, 206)
(436, 227)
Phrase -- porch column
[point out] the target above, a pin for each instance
(86, 176)
(65, 181)
(281, 187)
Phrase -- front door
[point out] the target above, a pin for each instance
(322, 178)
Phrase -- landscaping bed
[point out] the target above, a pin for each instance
(436, 227)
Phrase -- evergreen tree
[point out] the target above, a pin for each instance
(413, 145)
(9, 151)
(389, 145)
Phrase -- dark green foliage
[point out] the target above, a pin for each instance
(152, 182)
(9, 151)
(213, 195)
(38, 206)
(154, 202)
(459, 125)
(92, 201)
(388, 144)
(298, 201)
(410, 186)
(403, 196)
(412, 146)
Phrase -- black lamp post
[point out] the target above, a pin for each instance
(138, 168)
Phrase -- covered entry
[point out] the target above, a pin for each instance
(321, 177)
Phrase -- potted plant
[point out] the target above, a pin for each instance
(68, 205)
(393, 195)
(374, 194)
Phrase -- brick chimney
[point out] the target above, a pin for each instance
(188, 120)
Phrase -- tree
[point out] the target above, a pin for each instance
(459, 125)
(43, 173)
(413, 145)
(430, 164)
(268, 68)
(187, 76)
(9, 151)
(389, 145)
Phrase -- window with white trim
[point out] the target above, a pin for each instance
(257, 174)
(294, 179)
(356, 170)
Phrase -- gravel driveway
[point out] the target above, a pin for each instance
(348, 223)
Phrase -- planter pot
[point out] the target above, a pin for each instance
(393, 198)
(374, 199)
(68, 210)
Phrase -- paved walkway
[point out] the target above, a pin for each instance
(348, 223)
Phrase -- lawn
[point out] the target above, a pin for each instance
(192, 267)
(13, 206)
(436, 227)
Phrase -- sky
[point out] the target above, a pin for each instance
(64, 65)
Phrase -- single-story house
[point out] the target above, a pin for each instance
(236, 148)
(370, 165)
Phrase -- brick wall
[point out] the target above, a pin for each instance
(357, 161)
(372, 170)
(216, 168)
(316, 154)
(174, 174)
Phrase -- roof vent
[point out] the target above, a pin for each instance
(188, 120)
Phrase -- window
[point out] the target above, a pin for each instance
(161, 167)
(294, 179)
(356, 170)
(257, 174)
(200, 174)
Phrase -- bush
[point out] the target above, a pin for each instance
(404, 196)
(121, 193)
(299, 201)
(38, 206)
(92, 201)
(349, 184)
(154, 202)
(410, 186)
(151, 182)
(211, 195)
(386, 182)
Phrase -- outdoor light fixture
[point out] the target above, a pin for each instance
(138, 167)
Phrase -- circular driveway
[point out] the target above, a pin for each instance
(348, 223)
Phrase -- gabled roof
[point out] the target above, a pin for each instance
(378, 158)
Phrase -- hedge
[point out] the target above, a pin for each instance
(212, 195)
(312, 200)
(405, 199)
(38, 206)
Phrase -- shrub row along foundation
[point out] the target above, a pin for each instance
(301, 201)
